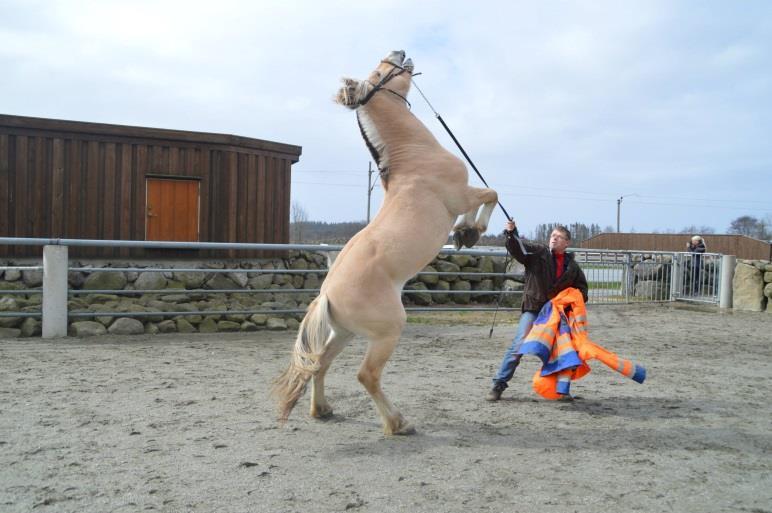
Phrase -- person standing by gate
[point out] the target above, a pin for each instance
(696, 246)
(548, 270)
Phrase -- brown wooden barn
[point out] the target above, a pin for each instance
(78, 180)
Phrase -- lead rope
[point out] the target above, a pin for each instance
(447, 129)
(501, 294)
(519, 242)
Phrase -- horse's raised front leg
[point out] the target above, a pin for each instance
(378, 352)
(468, 230)
(320, 408)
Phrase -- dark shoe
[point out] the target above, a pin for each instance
(495, 393)
(566, 398)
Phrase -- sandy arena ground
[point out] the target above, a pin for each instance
(179, 423)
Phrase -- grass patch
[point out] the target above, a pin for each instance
(469, 318)
(614, 285)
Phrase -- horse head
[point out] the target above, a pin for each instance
(392, 75)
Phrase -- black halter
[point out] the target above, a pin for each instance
(381, 85)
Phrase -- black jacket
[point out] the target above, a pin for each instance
(540, 284)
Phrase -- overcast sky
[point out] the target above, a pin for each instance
(563, 105)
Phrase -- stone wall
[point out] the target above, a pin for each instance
(651, 275)
(752, 291)
(265, 292)
(464, 279)
(752, 286)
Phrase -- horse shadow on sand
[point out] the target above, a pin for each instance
(616, 423)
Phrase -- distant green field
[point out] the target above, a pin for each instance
(600, 267)
(466, 318)
(615, 285)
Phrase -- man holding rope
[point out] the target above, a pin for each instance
(548, 270)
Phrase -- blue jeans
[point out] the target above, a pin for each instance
(510, 361)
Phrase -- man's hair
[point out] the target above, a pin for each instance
(563, 229)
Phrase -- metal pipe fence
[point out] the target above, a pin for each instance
(612, 276)
(700, 277)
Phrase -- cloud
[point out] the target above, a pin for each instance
(607, 97)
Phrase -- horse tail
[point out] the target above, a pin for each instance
(304, 361)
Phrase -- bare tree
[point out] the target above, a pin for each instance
(694, 230)
(579, 231)
(299, 220)
(747, 225)
(766, 227)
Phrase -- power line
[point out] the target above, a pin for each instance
(329, 171)
(501, 187)
(725, 207)
(553, 196)
(661, 197)
(712, 200)
(552, 189)
(327, 184)
(609, 200)
(743, 208)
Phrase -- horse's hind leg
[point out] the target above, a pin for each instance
(467, 231)
(378, 352)
(320, 408)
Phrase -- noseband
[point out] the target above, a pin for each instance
(381, 85)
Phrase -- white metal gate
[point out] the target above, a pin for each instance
(645, 276)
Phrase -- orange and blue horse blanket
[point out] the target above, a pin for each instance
(559, 338)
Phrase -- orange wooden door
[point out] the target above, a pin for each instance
(172, 210)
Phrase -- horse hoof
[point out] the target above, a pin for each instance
(405, 431)
(457, 243)
(405, 428)
(465, 236)
(470, 236)
(322, 413)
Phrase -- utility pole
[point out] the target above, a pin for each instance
(619, 206)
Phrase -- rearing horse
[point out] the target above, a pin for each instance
(425, 191)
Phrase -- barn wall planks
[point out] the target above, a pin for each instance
(68, 179)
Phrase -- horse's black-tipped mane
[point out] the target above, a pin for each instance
(373, 151)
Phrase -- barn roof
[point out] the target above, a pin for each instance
(146, 133)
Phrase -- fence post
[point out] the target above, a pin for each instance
(629, 278)
(676, 278)
(728, 263)
(55, 263)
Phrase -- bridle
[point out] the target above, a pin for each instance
(381, 85)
